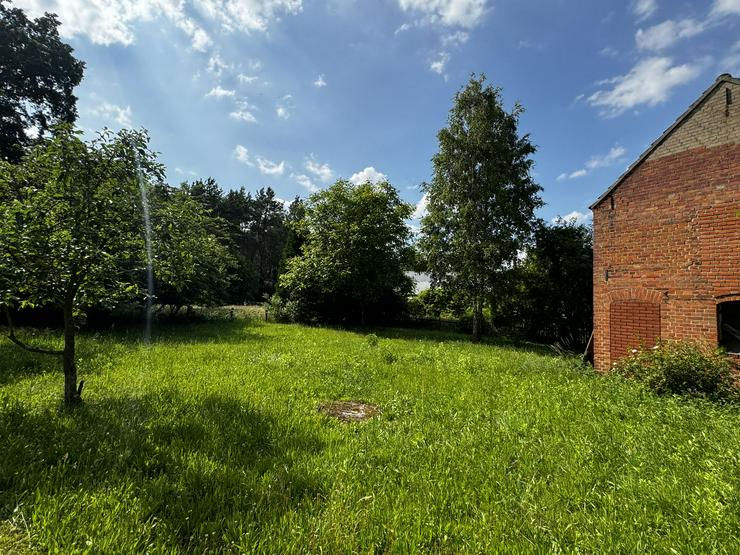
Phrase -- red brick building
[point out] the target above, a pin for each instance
(667, 236)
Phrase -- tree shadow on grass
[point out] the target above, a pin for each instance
(17, 364)
(198, 468)
(228, 331)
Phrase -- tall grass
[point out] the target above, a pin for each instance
(209, 441)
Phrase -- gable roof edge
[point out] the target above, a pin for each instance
(724, 78)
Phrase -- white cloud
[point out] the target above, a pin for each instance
(242, 154)
(254, 65)
(614, 155)
(284, 106)
(320, 81)
(609, 52)
(247, 78)
(321, 171)
(304, 181)
(248, 15)
(421, 208)
(103, 22)
(451, 13)
(174, 11)
(605, 160)
(243, 115)
(111, 113)
(112, 21)
(666, 34)
(575, 216)
(217, 65)
(267, 167)
(438, 66)
(368, 174)
(404, 27)
(525, 44)
(244, 112)
(731, 62)
(455, 39)
(643, 9)
(573, 175)
(219, 92)
(181, 171)
(649, 82)
(726, 7)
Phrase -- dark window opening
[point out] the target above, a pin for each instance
(728, 326)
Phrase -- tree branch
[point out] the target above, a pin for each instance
(14, 339)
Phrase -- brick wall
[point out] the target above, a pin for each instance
(632, 324)
(671, 243)
(713, 123)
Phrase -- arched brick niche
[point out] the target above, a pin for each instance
(634, 320)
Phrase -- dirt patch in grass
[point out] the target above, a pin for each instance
(349, 411)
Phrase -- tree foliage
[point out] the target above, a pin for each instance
(548, 297)
(38, 74)
(192, 259)
(481, 200)
(71, 230)
(255, 225)
(352, 264)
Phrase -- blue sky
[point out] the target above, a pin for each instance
(294, 94)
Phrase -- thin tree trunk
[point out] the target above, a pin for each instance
(71, 391)
(477, 317)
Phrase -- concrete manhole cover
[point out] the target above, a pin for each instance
(349, 411)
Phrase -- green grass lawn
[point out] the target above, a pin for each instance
(209, 441)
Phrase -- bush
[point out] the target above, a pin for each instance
(282, 310)
(682, 368)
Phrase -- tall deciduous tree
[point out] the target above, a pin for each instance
(38, 74)
(353, 261)
(481, 201)
(71, 229)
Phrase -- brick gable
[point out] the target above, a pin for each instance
(671, 243)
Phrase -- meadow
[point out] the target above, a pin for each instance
(209, 441)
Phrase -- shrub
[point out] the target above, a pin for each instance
(682, 368)
(282, 310)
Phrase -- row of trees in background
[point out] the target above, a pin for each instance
(259, 234)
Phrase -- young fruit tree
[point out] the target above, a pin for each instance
(71, 229)
(481, 200)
